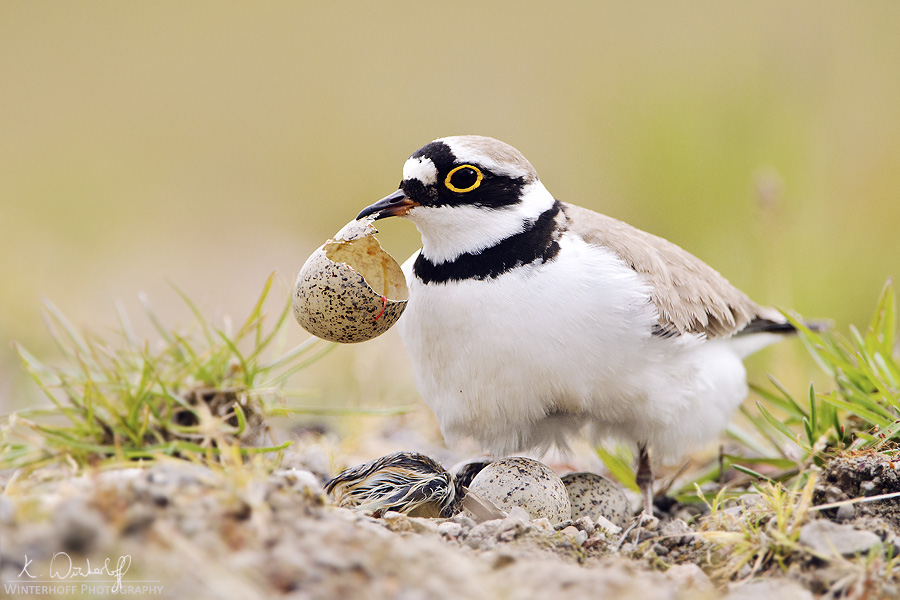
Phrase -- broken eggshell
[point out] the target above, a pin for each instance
(350, 290)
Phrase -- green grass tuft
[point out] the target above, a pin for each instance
(203, 395)
(860, 412)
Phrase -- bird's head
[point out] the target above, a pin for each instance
(464, 194)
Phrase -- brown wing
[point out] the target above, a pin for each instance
(691, 296)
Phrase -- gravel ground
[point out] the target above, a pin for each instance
(178, 530)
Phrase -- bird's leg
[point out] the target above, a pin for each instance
(644, 480)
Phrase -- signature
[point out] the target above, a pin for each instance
(62, 567)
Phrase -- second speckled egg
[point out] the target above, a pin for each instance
(591, 495)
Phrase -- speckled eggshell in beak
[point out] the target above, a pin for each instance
(350, 290)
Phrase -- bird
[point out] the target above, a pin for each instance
(406, 482)
(532, 321)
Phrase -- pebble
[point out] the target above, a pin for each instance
(595, 540)
(517, 514)
(300, 480)
(606, 525)
(463, 521)
(770, 589)
(515, 523)
(676, 532)
(691, 582)
(869, 488)
(563, 524)
(578, 537)
(542, 524)
(585, 524)
(833, 494)
(835, 540)
(846, 512)
(7, 510)
(79, 527)
(752, 501)
(484, 535)
(450, 529)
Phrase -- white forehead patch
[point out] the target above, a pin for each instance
(420, 168)
(494, 155)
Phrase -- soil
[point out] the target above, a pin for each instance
(177, 530)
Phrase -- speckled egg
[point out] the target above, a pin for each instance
(350, 290)
(591, 495)
(519, 481)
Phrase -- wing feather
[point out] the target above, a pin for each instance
(690, 296)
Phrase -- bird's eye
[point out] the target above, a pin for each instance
(463, 178)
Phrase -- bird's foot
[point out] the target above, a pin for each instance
(647, 521)
(644, 523)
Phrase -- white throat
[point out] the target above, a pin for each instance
(449, 231)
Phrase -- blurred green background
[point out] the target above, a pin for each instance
(210, 143)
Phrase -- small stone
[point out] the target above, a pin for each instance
(691, 582)
(79, 527)
(834, 540)
(484, 535)
(563, 524)
(576, 536)
(585, 524)
(450, 529)
(513, 525)
(7, 510)
(137, 518)
(770, 589)
(396, 521)
(846, 512)
(752, 501)
(606, 525)
(542, 524)
(868, 488)
(676, 532)
(300, 480)
(463, 521)
(517, 515)
(503, 559)
(833, 494)
(510, 530)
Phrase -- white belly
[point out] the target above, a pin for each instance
(522, 361)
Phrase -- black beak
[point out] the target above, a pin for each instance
(395, 205)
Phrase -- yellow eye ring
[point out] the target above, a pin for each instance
(478, 177)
